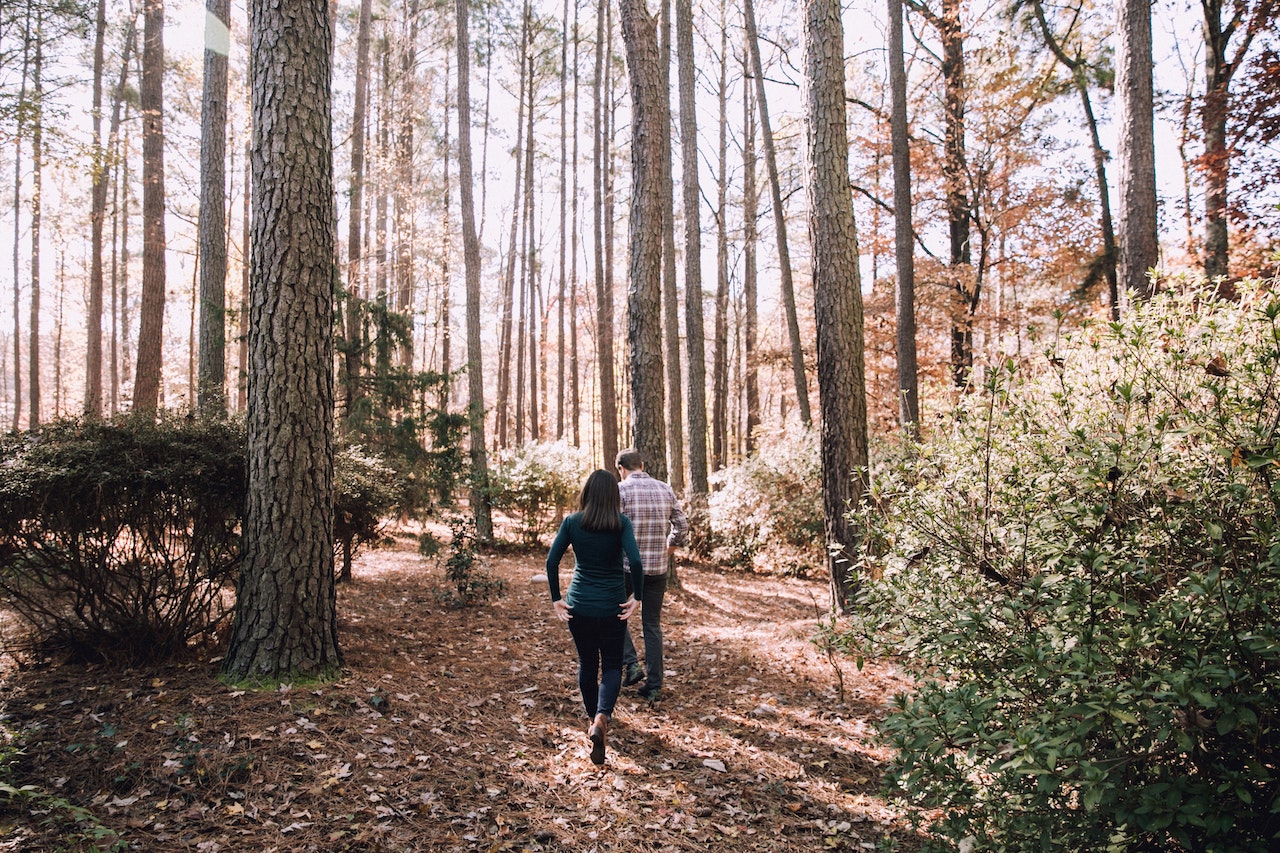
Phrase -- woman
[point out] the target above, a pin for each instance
(597, 606)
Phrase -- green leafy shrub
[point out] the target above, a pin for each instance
(118, 538)
(537, 482)
(367, 491)
(771, 499)
(470, 582)
(1083, 569)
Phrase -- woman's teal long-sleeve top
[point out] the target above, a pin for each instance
(598, 585)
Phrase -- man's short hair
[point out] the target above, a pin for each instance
(630, 459)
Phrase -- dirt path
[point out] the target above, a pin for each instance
(458, 730)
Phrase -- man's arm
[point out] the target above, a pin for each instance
(679, 524)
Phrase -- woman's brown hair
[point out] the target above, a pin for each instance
(600, 503)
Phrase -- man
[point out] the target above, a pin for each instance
(660, 526)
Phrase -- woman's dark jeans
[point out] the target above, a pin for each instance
(599, 642)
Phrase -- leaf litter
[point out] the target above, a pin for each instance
(461, 729)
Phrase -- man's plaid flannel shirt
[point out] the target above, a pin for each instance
(656, 515)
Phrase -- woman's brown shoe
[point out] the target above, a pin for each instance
(596, 733)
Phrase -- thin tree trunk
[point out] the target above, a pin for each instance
(97, 216)
(404, 188)
(446, 302)
(670, 298)
(1219, 68)
(695, 339)
(720, 355)
(610, 221)
(212, 378)
(779, 218)
(1136, 236)
(353, 342)
(146, 384)
(505, 341)
(37, 187)
(749, 238)
(575, 392)
(480, 492)
(244, 282)
(1079, 78)
(837, 293)
(955, 170)
(562, 282)
(603, 285)
(17, 225)
(530, 254)
(904, 231)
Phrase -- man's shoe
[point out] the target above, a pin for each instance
(634, 674)
(650, 694)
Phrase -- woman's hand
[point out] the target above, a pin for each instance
(561, 608)
(629, 607)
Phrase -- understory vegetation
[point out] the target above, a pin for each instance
(1081, 567)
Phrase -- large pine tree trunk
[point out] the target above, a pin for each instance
(904, 231)
(779, 217)
(644, 280)
(480, 501)
(146, 383)
(212, 377)
(837, 292)
(1136, 235)
(285, 617)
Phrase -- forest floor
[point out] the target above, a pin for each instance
(460, 729)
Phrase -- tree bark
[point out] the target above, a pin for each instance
(97, 216)
(749, 239)
(779, 217)
(212, 376)
(285, 617)
(505, 341)
(1136, 236)
(837, 293)
(37, 187)
(644, 278)
(17, 225)
(353, 340)
(146, 383)
(720, 350)
(1219, 69)
(670, 298)
(405, 226)
(959, 215)
(904, 231)
(575, 392)
(695, 334)
(481, 502)
(604, 291)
